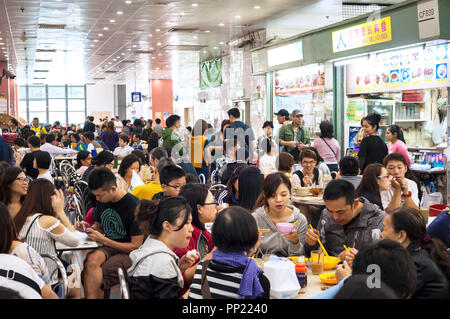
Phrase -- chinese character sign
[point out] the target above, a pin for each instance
(373, 32)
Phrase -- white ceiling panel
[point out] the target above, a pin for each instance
(98, 35)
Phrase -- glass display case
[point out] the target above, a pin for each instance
(386, 109)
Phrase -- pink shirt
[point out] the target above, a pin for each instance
(328, 153)
(400, 147)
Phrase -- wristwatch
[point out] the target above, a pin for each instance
(407, 195)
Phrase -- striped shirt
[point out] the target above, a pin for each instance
(32, 258)
(224, 281)
(43, 241)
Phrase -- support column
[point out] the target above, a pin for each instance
(162, 99)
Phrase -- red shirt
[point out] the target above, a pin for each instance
(198, 236)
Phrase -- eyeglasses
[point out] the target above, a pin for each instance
(214, 203)
(385, 176)
(22, 179)
(175, 187)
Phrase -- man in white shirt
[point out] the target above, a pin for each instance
(42, 161)
(124, 149)
(118, 125)
(54, 150)
(17, 275)
(404, 192)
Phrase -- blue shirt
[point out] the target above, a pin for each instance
(330, 293)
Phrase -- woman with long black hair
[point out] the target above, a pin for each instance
(372, 148)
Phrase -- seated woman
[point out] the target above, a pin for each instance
(125, 173)
(230, 195)
(309, 175)
(145, 171)
(231, 274)
(274, 208)
(83, 161)
(374, 180)
(407, 226)
(41, 221)
(250, 183)
(285, 163)
(204, 210)
(103, 159)
(13, 189)
(11, 245)
(156, 272)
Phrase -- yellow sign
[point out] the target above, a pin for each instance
(373, 32)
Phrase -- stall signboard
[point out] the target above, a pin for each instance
(355, 111)
(304, 79)
(369, 33)
(420, 67)
(285, 54)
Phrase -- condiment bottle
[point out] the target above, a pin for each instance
(301, 272)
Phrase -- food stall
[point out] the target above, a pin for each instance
(393, 61)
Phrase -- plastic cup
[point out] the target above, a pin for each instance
(317, 257)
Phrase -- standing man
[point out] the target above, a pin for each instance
(118, 125)
(293, 137)
(38, 129)
(89, 125)
(115, 228)
(282, 117)
(250, 142)
(158, 128)
(170, 136)
(52, 149)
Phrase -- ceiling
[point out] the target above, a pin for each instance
(89, 41)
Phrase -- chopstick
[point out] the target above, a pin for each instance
(348, 250)
(264, 230)
(295, 222)
(320, 243)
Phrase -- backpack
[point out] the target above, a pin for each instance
(300, 176)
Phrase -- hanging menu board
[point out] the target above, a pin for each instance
(409, 69)
(305, 79)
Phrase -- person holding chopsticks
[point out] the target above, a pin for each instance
(272, 207)
(346, 220)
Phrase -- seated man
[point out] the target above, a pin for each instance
(42, 161)
(114, 215)
(349, 170)
(149, 190)
(123, 149)
(309, 175)
(404, 192)
(346, 220)
(89, 139)
(172, 178)
(137, 143)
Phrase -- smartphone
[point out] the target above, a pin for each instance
(83, 230)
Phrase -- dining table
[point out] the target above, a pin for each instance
(314, 285)
(309, 205)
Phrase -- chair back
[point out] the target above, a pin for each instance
(123, 284)
(62, 270)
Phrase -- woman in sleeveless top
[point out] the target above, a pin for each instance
(42, 221)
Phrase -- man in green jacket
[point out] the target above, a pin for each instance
(293, 137)
(170, 137)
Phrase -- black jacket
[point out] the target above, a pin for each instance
(431, 282)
